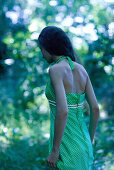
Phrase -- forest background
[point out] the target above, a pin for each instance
(24, 109)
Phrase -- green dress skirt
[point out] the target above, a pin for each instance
(76, 150)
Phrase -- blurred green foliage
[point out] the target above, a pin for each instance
(24, 109)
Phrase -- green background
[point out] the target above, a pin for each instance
(24, 109)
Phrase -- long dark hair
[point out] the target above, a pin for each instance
(55, 41)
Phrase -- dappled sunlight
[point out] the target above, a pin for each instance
(9, 61)
(53, 2)
(13, 15)
(36, 25)
(47, 135)
(68, 21)
(108, 69)
(103, 114)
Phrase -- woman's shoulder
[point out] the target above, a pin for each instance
(80, 68)
(78, 65)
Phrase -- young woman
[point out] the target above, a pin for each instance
(70, 142)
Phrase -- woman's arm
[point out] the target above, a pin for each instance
(94, 108)
(61, 106)
(94, 116)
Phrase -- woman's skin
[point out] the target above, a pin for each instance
(76, 81)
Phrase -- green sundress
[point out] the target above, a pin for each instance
(76, 150)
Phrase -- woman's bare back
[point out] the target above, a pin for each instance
(74, 81)
(78, 81)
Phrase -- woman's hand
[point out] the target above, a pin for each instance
(52, 159)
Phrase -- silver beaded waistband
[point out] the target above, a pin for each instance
(69, 106)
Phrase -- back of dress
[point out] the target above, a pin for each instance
(76, 151)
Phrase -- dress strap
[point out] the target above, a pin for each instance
(69, 59)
